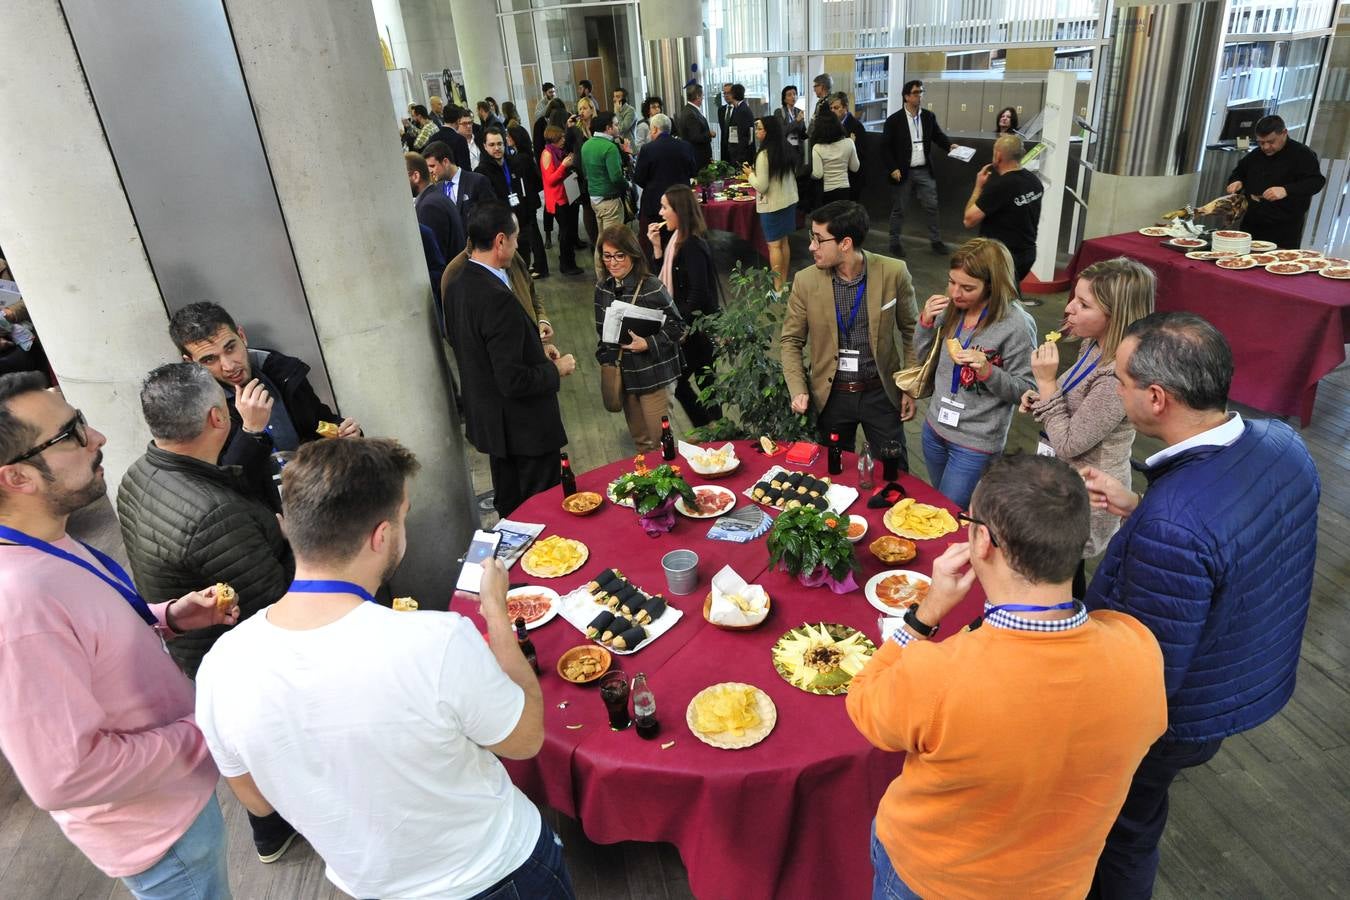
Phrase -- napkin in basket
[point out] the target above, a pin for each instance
(698, 458)
(725, 611)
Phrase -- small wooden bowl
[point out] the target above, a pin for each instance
(707, 609)
(592, 650)
(586, 502)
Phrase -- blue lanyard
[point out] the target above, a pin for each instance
(956, 370)
(508, 176)
(1022, 607)
(1070, 382)
(116, 577)
(307, 586)
(853, 313)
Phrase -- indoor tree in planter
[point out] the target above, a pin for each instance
(814, 546)
(748, 383)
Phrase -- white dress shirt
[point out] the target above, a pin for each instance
(1218, 436)
(916, 154)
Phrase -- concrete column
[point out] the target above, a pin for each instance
(69, 235)
(349, 216)
(430, 32)
(389, 25)
(478, 38)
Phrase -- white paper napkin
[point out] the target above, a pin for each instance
(724, 611)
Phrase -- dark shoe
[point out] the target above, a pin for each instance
(582, 245)
(272, 836)
(939, 247)
(548, 240)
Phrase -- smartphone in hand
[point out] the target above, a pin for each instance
(481, 549)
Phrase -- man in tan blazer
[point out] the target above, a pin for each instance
(854, 315)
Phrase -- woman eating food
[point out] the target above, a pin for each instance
(647, 364)
(690, 277)
(982, 371)
(1081, 414)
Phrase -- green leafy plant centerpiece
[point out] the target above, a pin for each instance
(814, 546)
(717, 170)
(748, 383)
(653, 492)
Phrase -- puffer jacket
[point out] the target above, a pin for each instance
(188, 525)
(1217, 561)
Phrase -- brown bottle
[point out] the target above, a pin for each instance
(526, 645)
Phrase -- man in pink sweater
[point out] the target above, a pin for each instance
(95, 718)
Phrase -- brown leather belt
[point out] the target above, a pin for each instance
(854, 387)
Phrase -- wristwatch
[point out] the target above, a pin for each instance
(912, 620)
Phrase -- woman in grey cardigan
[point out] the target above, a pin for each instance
(650, 363)
(983, 371)
(1081, 414)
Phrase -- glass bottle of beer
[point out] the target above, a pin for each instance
(836, 455)
(569, 478)
(667, 439)
(526, 645)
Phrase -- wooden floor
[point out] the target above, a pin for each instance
(1268, 817)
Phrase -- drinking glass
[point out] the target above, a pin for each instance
(614, 692)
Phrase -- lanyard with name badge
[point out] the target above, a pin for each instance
(314, 586)
(949, 408)
(848, 359)
(1071, 381)
(116, 577)
(512, 197)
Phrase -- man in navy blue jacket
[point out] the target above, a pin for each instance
(1216, 559)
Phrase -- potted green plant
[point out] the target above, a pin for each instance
(814, 546)
(653, 492)
(748, 383)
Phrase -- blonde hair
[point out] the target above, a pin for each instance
(1125, 289)
(986, 260)
(587, 101)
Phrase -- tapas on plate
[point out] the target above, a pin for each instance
(1286, 268)
(537, 605)
(554, 557)
(895, 590)
(713, 500)
(822, 659)
(731, 715)
(1236, 262)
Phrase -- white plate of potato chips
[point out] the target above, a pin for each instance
(919, 521)
(731, 715)
(554, 557)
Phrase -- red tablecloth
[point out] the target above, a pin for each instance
(787, 818)
(1286, 331)
(738, 217)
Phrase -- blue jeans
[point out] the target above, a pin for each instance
(952, 469)
(194, 867)
(541, 877)
(886, 884)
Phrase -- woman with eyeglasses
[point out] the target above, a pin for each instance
(1081, 414)
(648, 364)
(980, 379)
(773, 177)
(690, 277)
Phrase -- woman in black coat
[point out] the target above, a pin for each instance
(686, 268)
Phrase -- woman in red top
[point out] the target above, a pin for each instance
(556, 166)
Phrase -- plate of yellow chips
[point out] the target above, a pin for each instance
(731, 715)
(554, 557)
(918, 521)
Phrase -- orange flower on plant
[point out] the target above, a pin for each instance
(640, 464)
(675, 469)
(831, 522)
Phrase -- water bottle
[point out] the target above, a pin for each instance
(644, 708)
(865, 468)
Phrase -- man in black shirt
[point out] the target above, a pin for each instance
(1006, 203)
(1279, 178)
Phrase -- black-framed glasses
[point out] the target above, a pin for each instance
(817, 240)
(76, 428)
(616, 256)
(968, 518)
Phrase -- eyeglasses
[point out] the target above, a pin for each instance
(616, 256)
(916, 92)
(817, 240)
(76, 428)
(968, 518)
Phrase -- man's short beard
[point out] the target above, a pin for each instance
(64, 502)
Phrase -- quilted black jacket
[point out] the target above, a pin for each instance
(188, 525)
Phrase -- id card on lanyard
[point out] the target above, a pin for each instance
(849, 360)
(115, 577)
(949, 410)
(511, 196)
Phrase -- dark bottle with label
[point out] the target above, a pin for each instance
(667, 439)
(569, 479)
(526, 645)
(644, 708)
(836, 455)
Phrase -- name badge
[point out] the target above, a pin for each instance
(848, 360)
(1043, 447)
(949, 411)
(734, 134)
(513, 200)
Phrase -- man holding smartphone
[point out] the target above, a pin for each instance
(404, 714)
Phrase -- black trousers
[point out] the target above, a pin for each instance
(566, 217)
(880, 422)
(1129, 861)
(531, 245)
(1023, 260)
(697, 371)
(1285, 235)
(516, 479)
(831, 196)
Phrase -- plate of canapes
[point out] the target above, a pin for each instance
(613, 611)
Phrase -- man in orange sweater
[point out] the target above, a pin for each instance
(1023, 734)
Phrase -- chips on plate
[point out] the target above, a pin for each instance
(554, 556)
(919, 521)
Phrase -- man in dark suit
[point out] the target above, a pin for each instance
(664, 160)
(456, 182)
(691, 125)
(724, 107)
(508, 383)
(437, 217)
(455, 143)
(507, 175)
(907, 150)
(855, 130)
(740, 129)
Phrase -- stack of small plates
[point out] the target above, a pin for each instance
(1238, 242)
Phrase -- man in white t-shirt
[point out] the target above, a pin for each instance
(374, 731)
